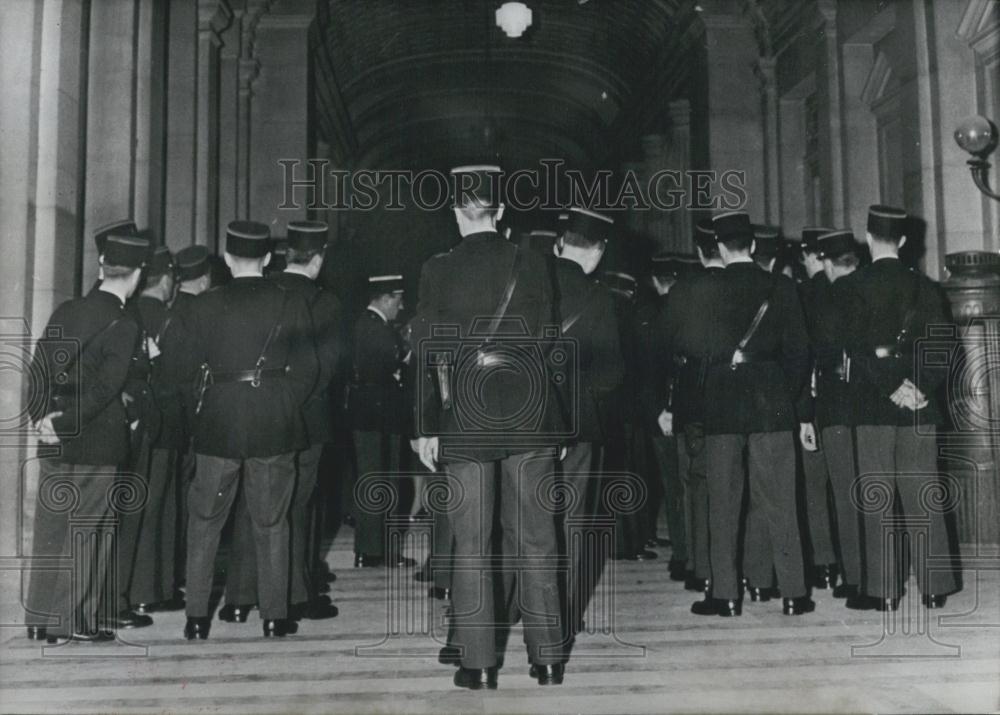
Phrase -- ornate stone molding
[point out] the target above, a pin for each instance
(980, 29)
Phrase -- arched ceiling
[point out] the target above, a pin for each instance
(431, 83)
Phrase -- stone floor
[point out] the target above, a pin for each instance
(653, 656)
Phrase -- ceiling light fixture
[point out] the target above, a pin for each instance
(514, 18)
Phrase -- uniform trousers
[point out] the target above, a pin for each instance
(903, 463)
(673, 498)
(443, 541)
(374, 452)
(692, 466)
(816, 480)
(153, 575)
(73, 499)
(268, 484)
(838, 450)
(241, 575)
(771, 471)
(582, 542)
(529, 536)
(130, 525)
(758, 563)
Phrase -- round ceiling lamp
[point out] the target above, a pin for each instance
(514, 18)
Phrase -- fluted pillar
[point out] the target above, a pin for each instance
(772, 162)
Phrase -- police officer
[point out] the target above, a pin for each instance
(755, 397)
(668, 490)
(685, 333)
(194, 277)
(154, 579)
(85, 355)
(378, 411)
(815, 292)
(306, 248)
(472, 424)
(896, 427)
(588, 318)
(837, 399)
(253, 340)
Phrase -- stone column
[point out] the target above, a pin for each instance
(214, 16)
(772, 167)
(832, 82)
(658, 222)
(791, 149)
(248, 71)
(182, 149)
(229, 117)
(280, 111)
(150, 105)
(111, 122)
(680, 160)
(735, 136)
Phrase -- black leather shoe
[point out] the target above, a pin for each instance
(476, 678)
(706, 607)
(101, 636)
(280, 627)
(129, 619)
(824, 576)
(644, 555)
(696, 584)
(197, 628)
(400, 561)
(845, 590)
(367, 561)
(729, 609)
(235, 613)
(887, 604)
(548, 674)
(450, 655)
(318, 609)
(861, 602)
(37, 633)
(797, 606)
(934, 601)
(717, 607)
(759, 595)
(174, 604)
(677, 570)
(441, 594)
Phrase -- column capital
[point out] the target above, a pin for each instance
(214, 16)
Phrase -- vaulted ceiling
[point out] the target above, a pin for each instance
(434, 82)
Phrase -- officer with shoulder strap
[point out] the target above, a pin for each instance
(253, 340)
(377, 407)
(588, 318)
(85, 355)
(756, 396)
(898, 418)
(154, 580)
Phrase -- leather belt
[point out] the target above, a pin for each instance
(748, 357)
(254, 377)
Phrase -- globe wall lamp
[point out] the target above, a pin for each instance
(513, 18)
(978, 136)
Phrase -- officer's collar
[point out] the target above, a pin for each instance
(480, 236)
(247, 274)
(379, 313)
(103, 288)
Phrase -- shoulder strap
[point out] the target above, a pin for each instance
(571, 320)
(761, 312)
(275, 329)
(508, 293)
(86, 343)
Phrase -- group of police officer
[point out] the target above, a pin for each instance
(527, 366)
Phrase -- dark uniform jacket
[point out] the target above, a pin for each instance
(769, 393)
(328, 340)
(377, 400)
(653, 372)
(597, 362)
(502, 412)
(181, 310)
(229, 327)
(167, 373)
(885, 291)
(685, 327)
(90, 341)
(836, 310)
